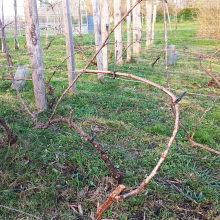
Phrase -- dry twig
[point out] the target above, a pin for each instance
(155, 61)
(179, 190)
(210, 74)
(201, 120)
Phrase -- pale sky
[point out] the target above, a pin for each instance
(9, 7)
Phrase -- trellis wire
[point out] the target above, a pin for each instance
(192, 93)
(16, 210)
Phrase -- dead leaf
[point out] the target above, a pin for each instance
(24, 163)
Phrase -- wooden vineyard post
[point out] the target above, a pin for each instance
(69, 44)
(168, 15)
(104, 6)
(79, 16)
(148, 22)
(137, 29)
(118, 32)
(16, 25)
(98, 36)
(154, 22)
(129, 33)
(2, 19)
(35, 52)
(47, 26)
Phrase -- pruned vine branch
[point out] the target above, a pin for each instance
(163, 155)
(210, 74)
(11, 137)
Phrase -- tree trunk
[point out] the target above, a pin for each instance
(154, 22)
(137, 29)
(2, 18)
(149, 10)
(79, 16)
(69, 43)
(129, 44)
(118, 32)
(16, 25)
(98, 36)
(35, 52)
(168, 15)
(104, 7)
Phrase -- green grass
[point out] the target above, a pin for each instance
(47, 170)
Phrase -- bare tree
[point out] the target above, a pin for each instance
(104, 8)
(174, 10)
(118, 32)
(35, 52)
(98, 36)
(69, 43)
(168, 15)
(54, 4)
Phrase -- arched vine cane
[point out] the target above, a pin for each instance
(115, 195)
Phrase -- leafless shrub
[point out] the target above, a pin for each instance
(208, 17)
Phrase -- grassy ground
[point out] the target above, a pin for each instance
(47, 171)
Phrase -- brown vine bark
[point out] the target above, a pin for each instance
(11, 138)
(211, 83)
(112, 198)
(213, 77)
